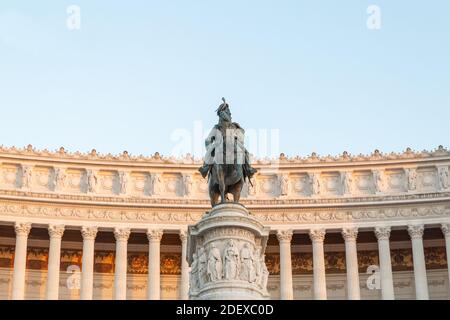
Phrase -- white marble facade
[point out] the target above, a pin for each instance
(156, 195)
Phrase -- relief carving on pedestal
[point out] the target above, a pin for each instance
(228, 260)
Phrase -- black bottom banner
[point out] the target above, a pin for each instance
(173, 309)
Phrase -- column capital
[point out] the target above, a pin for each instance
(350, 234)
(56, 231)
(383, 233)
(122, 234)
(317, 235)
(22, 228)
(445, 227)
(416, 231)
(284, 235)
(154, 234)
(89, 233)
(183, 235)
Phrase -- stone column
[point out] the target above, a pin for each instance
(446, 231)
(154, 237)
(420, 271)
(320, 286)
(20, 260)
(351, 260)
(87, 272)
(286, 288)
(184, 290)
(384, 252)
(54, 258)
(121, 263)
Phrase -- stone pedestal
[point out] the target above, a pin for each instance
(226, 254)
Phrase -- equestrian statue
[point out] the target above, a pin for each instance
(227, 161)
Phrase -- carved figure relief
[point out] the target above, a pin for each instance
(284, 184)
(411, 175)
(202, 267)
(60, 179)
(214, 269)
(91, 181)
(26, 177)
(156, 184)
(231, 261)
(247, 269)
(379, 181)
(443, 178)
(315, 183)
(347, 183)
(123, 180)
(188, 184)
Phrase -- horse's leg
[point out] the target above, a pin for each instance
(213, 187)
(237, 189)
(221, 180)
(214, 196)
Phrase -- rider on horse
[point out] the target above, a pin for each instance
(227, 162)
(223, 128)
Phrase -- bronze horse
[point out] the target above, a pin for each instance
(224, 179)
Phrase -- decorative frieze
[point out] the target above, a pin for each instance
(351, 181)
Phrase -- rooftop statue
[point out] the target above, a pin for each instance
(226, 163)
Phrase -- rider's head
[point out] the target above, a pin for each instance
(224, 111)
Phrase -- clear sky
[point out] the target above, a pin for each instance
(137, 72)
